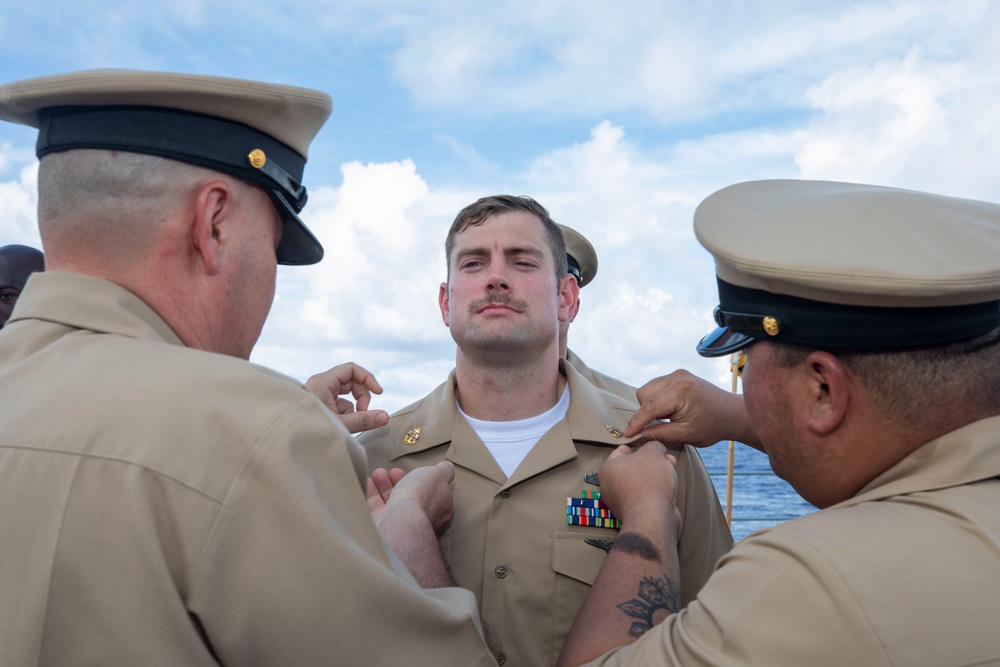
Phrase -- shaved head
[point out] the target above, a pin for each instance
(108, 201)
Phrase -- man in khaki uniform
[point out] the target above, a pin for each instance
(17, 262)
(525, 432)
(165, 502)
(870, 318)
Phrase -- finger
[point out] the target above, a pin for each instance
(650, 388)
(357, 422)
(449, 469)
(395, 475)
(382, 481)
(367, 379)
(649, 410)
(654, 447)
(618, 452)
(668, 433)
(358, 381)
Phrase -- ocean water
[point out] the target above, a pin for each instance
(760, 498)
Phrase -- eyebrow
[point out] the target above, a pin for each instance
(509, 252)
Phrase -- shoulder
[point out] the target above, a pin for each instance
(615, 386)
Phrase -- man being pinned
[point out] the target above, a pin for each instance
(526, 432)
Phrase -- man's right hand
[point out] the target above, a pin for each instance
(640, 484)
(696, 412)
(426, 490)
(349, 378)
(409, 509)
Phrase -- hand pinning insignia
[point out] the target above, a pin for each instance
(411, 436)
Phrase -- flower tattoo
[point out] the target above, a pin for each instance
(654, 594)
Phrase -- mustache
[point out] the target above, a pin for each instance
(500, 298)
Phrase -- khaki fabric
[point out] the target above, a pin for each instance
(905, 573)
(853, 244)
(167, 506)
(509, 542)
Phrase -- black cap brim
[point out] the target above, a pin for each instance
(723, 341)
(298, 246)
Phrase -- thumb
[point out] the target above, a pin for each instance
(620, 451)
(449, 469)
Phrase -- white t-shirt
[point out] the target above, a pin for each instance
(510, 442)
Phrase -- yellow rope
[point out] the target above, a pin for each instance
(736, 363)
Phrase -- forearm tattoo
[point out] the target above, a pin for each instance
(654, 594)
(637, 545)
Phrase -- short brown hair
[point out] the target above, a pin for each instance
(478, 211)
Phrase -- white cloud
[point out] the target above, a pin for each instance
(468, 154)
(681, 100)
(907, 122)
(19, 202)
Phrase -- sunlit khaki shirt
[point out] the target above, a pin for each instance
(509, 540)
(907, 572)
(167, 506)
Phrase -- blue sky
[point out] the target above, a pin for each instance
(618, 117)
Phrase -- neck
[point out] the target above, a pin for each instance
(509, 391)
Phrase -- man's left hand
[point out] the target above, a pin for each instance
(330, 386)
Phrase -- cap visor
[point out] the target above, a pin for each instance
(723, 341)
(298, 246)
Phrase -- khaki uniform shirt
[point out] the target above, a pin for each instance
(509, 542)
(907, 572)
(600, 380)
(167, 506)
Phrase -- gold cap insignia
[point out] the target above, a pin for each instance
(411, 436)
(257, 158)
(771, 326)
(614, 430)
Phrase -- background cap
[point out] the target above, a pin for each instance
(259, 132)
(849, 266)
(581, 255)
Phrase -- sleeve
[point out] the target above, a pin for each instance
(705, 535)
(295, 573)
(774, 600)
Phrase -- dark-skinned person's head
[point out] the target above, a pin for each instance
(17, 262)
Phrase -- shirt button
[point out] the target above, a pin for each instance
(505, 493)
(501, 571)
(500, 657)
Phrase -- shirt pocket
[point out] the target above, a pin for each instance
(576, 565)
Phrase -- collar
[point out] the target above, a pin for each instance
(82, 301)
(594, 416)
(964, 456)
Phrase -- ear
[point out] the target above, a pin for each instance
(209, 234)
(829, 389)
(575, 310)
(443, 304)
(569, 298)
